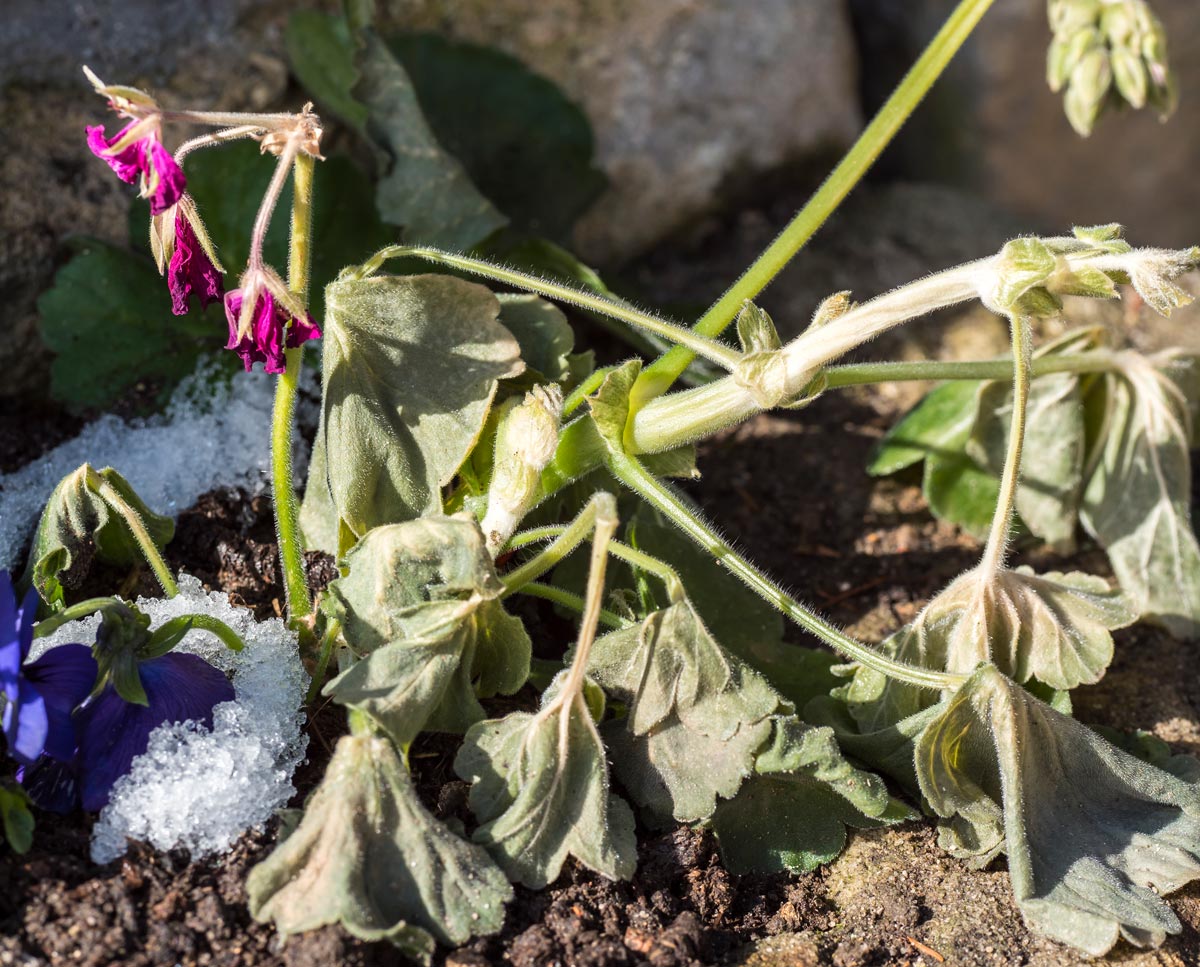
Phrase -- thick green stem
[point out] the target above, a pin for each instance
(997, 542)
(657, 378)
(630, 555)
(74, 612)
(859, 374)
(722, 355)
(569, 599)
(631, 473)
(570, 537)
(287, 512)
(137, 527)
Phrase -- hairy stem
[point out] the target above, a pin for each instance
(997, 542)
(287, 515)
(328, 640)
(722, 355)
(569, 538)
(631, 473)
(657, 378)
(137, 527)
(859, 374)
(605, 526)
(569, 599)
(74, 612)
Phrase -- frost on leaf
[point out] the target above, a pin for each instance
(1137, 500)
(540, 788)
(1053, 628)
(420, 609)
(793, 813)
(410, 366)
(1094, 836)
(368, 855)
(696, 715)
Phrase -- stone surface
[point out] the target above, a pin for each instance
(992, 124)
(690, 99)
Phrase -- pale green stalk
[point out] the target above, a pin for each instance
(859, 374)
(137, 527)
(570, 537)
(74, 612)
(568, 599)
(657, 378)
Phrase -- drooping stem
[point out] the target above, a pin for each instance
(569, 599)
(719, 353)
(266, 208)
(203, 622)
(569, 538)
(630, 555)
(217, 137)
(631, 473)
(997, 542)
(137, 527)
(605, 526)
(74, 612)
(287, 515)
(657, 378)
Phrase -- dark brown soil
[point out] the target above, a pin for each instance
(792, 491)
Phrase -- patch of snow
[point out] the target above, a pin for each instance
(216, 432)
(201, 789)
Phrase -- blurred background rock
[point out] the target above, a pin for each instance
(702, 109)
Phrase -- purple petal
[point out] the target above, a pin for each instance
(302, 330)
(129, 163)
(179, 687)
(191, 270)
(64, 676)
(161, 170)
(26, 724)
(52, 785)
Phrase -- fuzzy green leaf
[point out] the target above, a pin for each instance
(792, 815)
(1137, 501)
(420, 608)
(938, 423)
(540, 788)
(543, 333)
(78, 521)
(426, 191)
(1094, 836)
(411, 366)
(610, 404)
(368, 855)
(696, 715)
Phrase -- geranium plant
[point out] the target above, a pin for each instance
(465, 451)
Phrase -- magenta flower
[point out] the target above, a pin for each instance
(272, 329)
(191, 271)
(162, 179)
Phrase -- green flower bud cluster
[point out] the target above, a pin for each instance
(1105, 52)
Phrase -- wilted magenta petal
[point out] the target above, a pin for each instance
(179, 688)
(266, 341)
(129, 163)
(191, 271)
(170, 182)
(52, 785)
(64, 676)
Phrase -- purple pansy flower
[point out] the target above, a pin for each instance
(191, 271)
(162, 178)
(265, 342)
(112, 732)
(38, 698)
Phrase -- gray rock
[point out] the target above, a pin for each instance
(993, 125)
(689, 99)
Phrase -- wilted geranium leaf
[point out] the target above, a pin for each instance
(76, 517)
(368, 855)
(419, 606)
(1094, 836)
(792, 814)
(540, 787)
(696, 715)
(410, 367)
(1137, 501)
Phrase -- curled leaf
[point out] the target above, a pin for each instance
(696, 715)
(540, 788)
(1094, 836)
(420, 607)
(368, 855)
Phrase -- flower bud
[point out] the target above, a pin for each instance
(525, 443)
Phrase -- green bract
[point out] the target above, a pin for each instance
(368, 855)
(1094, 836)
(419, 611)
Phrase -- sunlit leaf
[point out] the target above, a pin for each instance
(1094, 836)
(410, 366)
(368, 855)
(696, 716)
(543, 333)
(540, 789)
